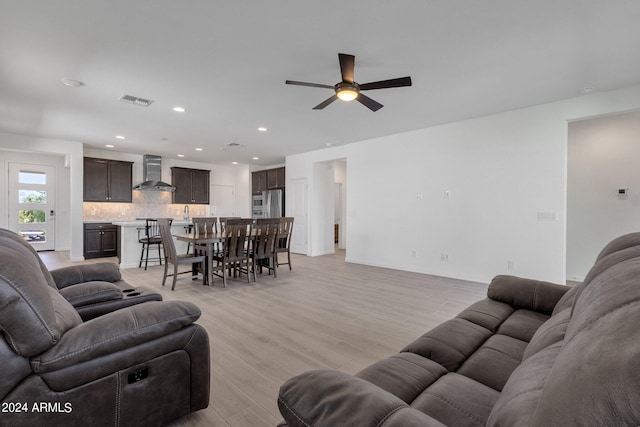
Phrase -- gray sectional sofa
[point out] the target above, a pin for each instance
(531, 354)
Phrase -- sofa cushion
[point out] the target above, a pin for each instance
(33, 315)
(91, 293)
(551, 332)
(9, 237)
(619, 243)
(595, 377)
(325, 398)
(494, 361)
(524, 293)
(522, 324)
(519, 398)
(456, 400)
(487, 313)
(404, 375)
(101, 271)
(450, 343)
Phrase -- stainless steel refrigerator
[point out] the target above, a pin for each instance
(273, 204)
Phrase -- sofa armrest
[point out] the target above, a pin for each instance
(101, 271)
(332, 398)
(91, 293)
(524, 293)
(116, 331)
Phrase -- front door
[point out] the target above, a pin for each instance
(32, 203)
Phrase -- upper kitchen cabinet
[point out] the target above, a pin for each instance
(275, 178)
(258, 182)
(192, 186)
(107, 180)
(269, 179)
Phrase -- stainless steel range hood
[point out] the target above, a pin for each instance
(152, 175)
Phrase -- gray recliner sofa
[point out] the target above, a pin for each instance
(92, 289)
(142, 365)
(531, 354)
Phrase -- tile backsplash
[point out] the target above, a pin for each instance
(145, 204)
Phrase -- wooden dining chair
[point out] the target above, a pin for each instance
(283, 243)
(234, 253)
(171, 257)
(262, 252)
(223, 221)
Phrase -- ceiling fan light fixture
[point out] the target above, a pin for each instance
(347, 94)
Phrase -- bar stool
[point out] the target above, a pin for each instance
(151, 237)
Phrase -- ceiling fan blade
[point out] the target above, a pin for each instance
(368, 102)
(384, 84)
(291, 82)
(325, 102)
(347, 63)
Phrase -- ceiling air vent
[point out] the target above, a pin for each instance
(135, 100)
(232, 145)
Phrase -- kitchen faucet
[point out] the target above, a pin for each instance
(185, 212)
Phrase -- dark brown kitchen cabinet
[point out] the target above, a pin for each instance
(275, 178)
(192, 186)
(258, 182)
(100, 240)
(269, 179)
(107, 180)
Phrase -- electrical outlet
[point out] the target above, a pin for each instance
(444, 257)
(511, 265)
(414, 254)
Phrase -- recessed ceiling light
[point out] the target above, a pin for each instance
(71, 82)
(256, 158)
(585, 91)
(234, 163)
(262, 129)
(109, 145)
(179, 109)
(120, 137)
(198, 149)
(329, 144)
(180, 155)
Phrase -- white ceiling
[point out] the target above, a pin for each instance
(226, 62)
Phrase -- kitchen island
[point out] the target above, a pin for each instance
(130, 249)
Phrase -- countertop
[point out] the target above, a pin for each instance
(140, 223)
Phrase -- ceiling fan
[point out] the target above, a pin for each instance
(348, 89)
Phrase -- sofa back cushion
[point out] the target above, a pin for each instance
(619, 243)
(33, 315)
(17, 239)
(593, 377)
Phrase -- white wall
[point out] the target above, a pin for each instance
(603, 156)
(502, 172)
(69, 203)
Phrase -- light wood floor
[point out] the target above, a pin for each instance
(323, 314)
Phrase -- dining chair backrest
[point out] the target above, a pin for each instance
(164, 225)
(206, 224)
(266, 235)
(235, 237)
(223, 221)
(284, 233)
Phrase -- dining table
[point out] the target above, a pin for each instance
(208, 239)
